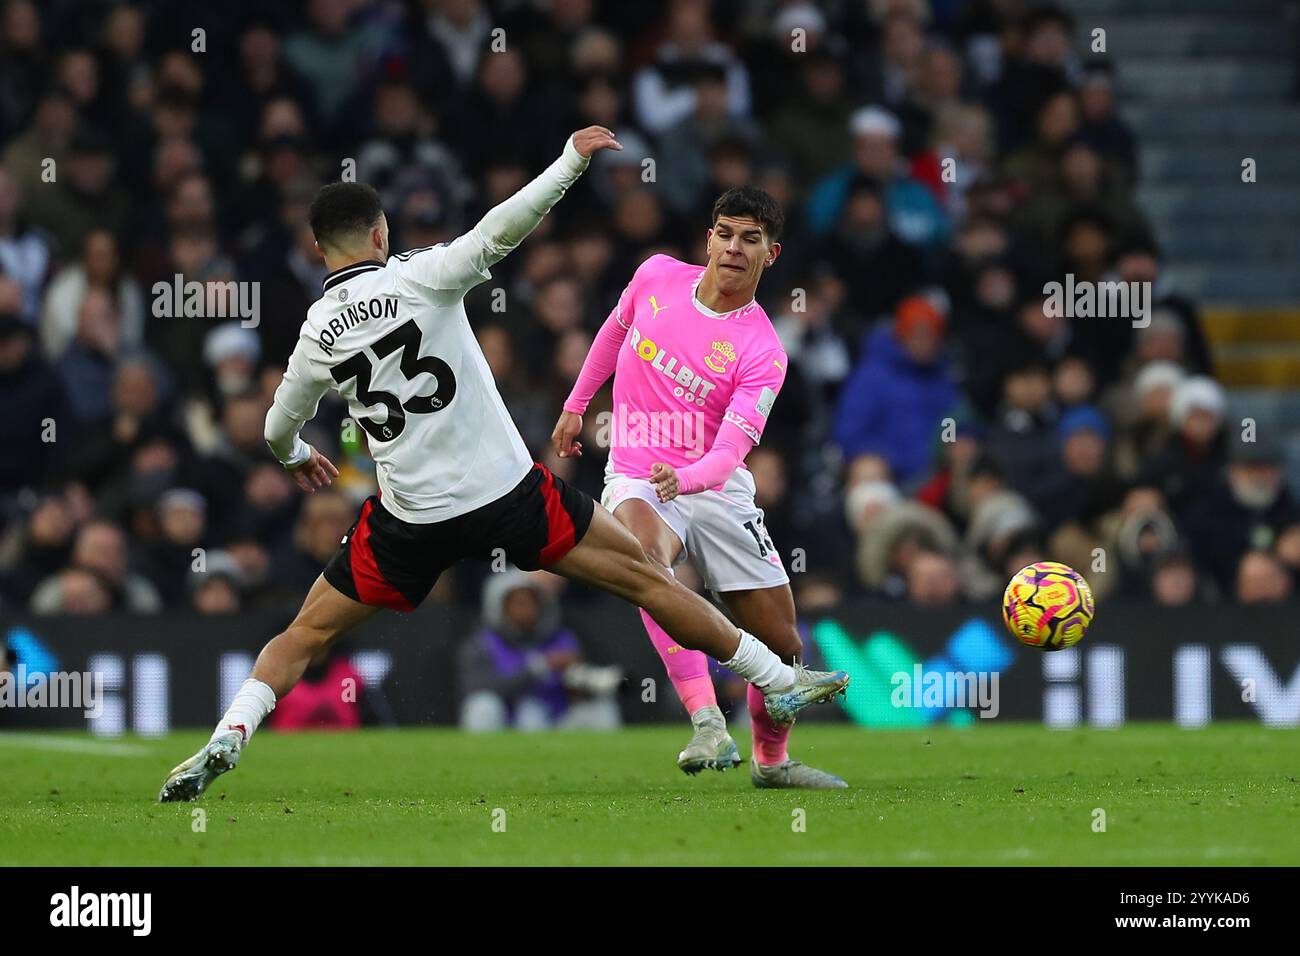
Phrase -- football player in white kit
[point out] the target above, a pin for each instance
(390, 335)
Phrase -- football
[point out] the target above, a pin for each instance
(1048, 606)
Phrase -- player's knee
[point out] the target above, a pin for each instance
(648, 580)
(656, 547)
(660, 554)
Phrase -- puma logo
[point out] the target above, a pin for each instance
(654, 304)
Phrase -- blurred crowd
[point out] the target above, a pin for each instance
(938, 162)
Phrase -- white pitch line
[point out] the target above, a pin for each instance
(92, 747)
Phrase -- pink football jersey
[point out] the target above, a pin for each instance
(684, 369)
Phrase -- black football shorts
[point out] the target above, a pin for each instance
(387, 562)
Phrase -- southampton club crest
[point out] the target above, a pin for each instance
(722, 353)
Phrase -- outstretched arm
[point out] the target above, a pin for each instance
(464, 262)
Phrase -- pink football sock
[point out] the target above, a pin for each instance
(769, 739)
(688, 670)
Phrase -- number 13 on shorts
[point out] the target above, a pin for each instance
(758, 531)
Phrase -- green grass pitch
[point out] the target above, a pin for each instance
(987, 795)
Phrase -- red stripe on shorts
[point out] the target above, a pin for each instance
(560, 532)
(371, 586)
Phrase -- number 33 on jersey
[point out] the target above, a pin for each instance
(394, 341)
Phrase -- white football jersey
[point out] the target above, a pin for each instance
(393, 339)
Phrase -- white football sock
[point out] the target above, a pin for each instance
(247, 711)
(755, 662)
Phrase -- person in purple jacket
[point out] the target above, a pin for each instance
(523, 670)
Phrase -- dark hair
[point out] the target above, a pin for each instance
(750, 202)
(170, 97)
(1137, 244)
(1093, 216)
(1175, 557)
(866, 184)
(343, 209)
(987, 465)
(1027, 538)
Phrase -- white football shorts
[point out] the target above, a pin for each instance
(722, 532)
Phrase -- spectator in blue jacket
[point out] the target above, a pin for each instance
(902, 387)
(914, 212)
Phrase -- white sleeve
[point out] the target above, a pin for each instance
(464, 262)
(295, 404)
(282, 435)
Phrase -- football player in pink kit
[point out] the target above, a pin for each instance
(697, 367)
